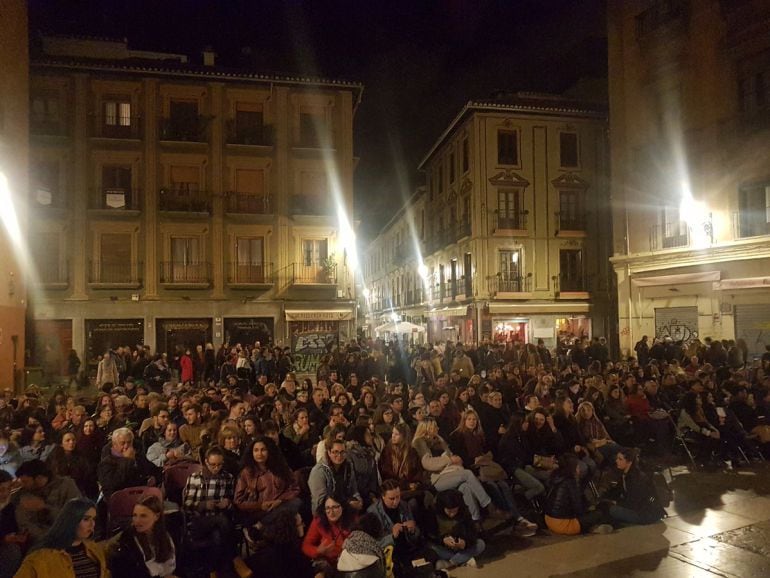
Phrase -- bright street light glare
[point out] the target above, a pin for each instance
(8, 213)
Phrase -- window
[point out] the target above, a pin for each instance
(468, 274)
(451, 168)
(249, 195)
(509, 213)
(453, 278)
(45, 115)
(116, 187)
(571, 216)
(250, 267)
(568, 149)
(754, 211)
(183, 111)
(313, 197)
(313, 126)
(509, 274)
(441, 283)
(45, 184)
(249, 124)
(114, 264)
(314, 252)
(466, 155)
(186, 265)
(116, 118)
(571, 270)
(184, 193)
(184, 122)
(46, 249)
(508, 147)
(674, 228)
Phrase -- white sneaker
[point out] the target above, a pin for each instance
(602, 529)
(525, 528)
(471, 563)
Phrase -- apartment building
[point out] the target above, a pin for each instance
(689, 110)
(14, 149)
(177, 203)
(509, 239)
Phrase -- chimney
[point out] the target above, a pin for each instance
(209, 56)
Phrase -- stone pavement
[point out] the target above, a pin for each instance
(718, 525)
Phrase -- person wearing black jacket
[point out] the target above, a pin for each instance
(635, 498)
(515, 456)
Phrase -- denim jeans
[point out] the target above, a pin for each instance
(532, 486)
(459, 557)
(502, 496)
(474, 494)
(625, 515)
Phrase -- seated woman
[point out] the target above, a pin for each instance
(571, 440)
(516, 457)
(265, 486)
(362, 555)
(399, 461)
(361, 453)
(543, 440)
(616, 417)
(35, 444)
(66, 460)
(635, 498)
(145, 549)
(327, 532)
(594, 434)
(169, 448)
(697, 428)
(90, 441)
(447, 471)
(298, 433)
(566, 512)
(66, 550)
(468, 442)
(455, 539)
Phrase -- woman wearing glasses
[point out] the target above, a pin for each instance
(327, 532)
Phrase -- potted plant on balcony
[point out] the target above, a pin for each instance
(328, 266)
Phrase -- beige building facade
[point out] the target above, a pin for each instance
(14, 149)
(178, 204)
(509, 238)
(689, 103)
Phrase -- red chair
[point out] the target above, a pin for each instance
(120, 509)
(175, 478)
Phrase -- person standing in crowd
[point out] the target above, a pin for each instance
(107, 374)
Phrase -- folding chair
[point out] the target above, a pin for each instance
(120, 509)
(679, 437)
(175, 478)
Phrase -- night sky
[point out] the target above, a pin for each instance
(420, 61)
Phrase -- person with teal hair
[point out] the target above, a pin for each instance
(66, 550)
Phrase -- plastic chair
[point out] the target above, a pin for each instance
(175, 478)
(121, 505)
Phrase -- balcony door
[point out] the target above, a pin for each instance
(509, 209)
(250, 265)
(185, 259)
(510, 271)
(114, 264)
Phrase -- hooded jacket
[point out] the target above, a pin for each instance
(322, 482)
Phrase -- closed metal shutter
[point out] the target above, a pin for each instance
(752, 324)
(678, 323)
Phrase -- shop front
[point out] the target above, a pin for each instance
(108, 334)
(171, 334)
(249, 330)
(529, 323)
(314, 333)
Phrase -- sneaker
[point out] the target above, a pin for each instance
(602, 529)
(525, 528)
(471, 563)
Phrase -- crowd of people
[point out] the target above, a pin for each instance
(393, 460)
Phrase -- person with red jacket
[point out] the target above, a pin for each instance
(327, 532)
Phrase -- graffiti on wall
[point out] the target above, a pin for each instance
(309, 347)
(677, 323)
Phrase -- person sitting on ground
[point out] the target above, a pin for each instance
(455, 540)
(566, 512)
(66, 550)
(145, 549)
(334, 475)
(281, 553)
(362, 556)
(41, 497)
(634, 500)
(327, 532)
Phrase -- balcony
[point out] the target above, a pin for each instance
(750, 224)
(193, 129)
(661, 15)
(669, 236)
(176, 274)
(108, 275)
(570, 222)
(116, 199)
(249, 275)
(506, 283)
(572, 284)
(53, 277)
(184, 201)
(117, 127)
(247, 204)
(310, 205)
(250, 135)
(511, 222)
(312, 274)
(47, 125)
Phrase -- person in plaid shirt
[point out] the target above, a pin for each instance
(208, 503)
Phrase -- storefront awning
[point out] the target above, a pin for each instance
(535, 308)
(449, 312)
(704, 277)
(319, 314)
(743, 283)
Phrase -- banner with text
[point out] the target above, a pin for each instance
(310, 341)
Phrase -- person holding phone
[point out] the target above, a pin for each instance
(455, 539)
